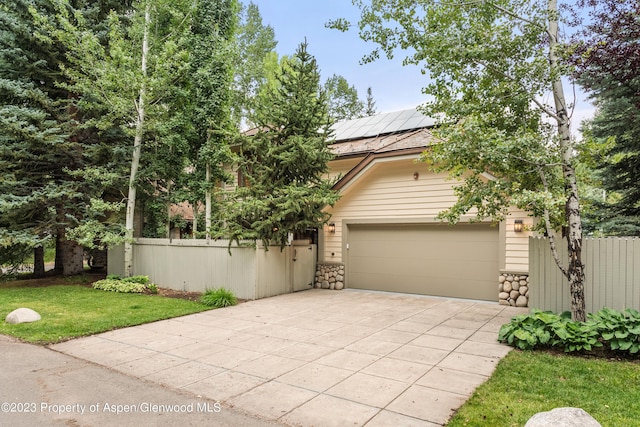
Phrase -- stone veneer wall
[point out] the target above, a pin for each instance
(329, 276)
(514, 289)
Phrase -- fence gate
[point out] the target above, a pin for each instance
(303, 256)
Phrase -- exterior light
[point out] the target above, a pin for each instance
(416, 175)
(332, 228)
(518, 226)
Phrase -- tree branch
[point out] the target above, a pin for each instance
(552, 240)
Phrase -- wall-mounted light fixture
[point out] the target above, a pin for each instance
(332, 228)
(518, 226)
(416, 175)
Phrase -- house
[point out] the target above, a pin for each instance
(383, 234)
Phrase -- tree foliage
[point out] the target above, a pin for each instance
(44, 152)
(492, 66)
(342, 99)
(256, 45)
(211, 52)
(285, 163)
(607, 56)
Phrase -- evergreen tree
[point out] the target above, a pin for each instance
(42, 149)
(607, 55)
(286, 161)
(370, 109)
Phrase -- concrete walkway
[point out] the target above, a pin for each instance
(318, 357)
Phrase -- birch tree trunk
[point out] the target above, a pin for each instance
(575, 270)
(137, 149)
(207, 208)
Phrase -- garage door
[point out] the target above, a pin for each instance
(455, 261)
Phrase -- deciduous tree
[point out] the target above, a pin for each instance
(495, 75)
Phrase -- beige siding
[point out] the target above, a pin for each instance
(517, 244)
(387, 190)
(338, 168)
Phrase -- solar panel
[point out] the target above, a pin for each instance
(381, 124)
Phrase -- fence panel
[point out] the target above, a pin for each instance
(612, 274)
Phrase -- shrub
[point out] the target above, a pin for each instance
(621, 330)
(616, 331)
(134, 284)
(218, 298)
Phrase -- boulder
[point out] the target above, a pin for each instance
(22, 315)
(563, 417)
(522, 301)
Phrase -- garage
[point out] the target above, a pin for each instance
(458, 261)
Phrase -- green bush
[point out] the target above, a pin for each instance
(218, 298)
(134, 284)
(614, 330)
(621, 330)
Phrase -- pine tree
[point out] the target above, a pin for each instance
(286, 161)
(607, 55)
(40, 195)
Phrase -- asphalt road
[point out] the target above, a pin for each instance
(42, 387)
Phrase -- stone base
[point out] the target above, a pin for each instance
(329, 276)
(513, 289)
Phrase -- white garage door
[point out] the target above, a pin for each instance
(455, 261)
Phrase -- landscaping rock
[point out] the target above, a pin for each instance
(506, 286)
(22, 315)
(522, 301)
(339, 285)
(563, 417)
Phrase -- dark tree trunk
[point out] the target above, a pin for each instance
(38, 262)
(69, 256)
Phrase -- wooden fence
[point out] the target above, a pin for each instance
(612, 270)
(195, 265)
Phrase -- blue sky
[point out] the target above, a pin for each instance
(395, 87)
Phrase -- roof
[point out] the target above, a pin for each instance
(381, 124)
(383, 133)
(412, 139)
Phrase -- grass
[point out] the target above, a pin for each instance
(70, 311)
(525, 383)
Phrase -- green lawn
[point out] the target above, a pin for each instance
(70, 311)
(525, 383)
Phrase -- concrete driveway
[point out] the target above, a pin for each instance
(318, 357)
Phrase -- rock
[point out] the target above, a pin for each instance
(515, 285)
(501, 279)
(500, 288)
(523, 282)
(522, 301)
(509, 278)
(22, 315)
(523, 290)
(325, 284)
(339, 278)
(332, 285)
(512, 303)
(339, 285)
(503, 302)
(563, 417)
(503, 295)
(506, 287)
(514, 295)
